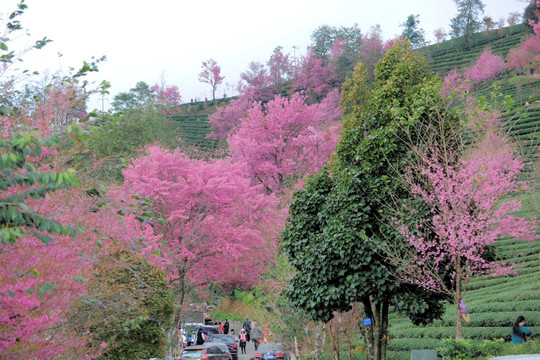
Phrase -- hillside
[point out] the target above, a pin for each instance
(193, 131)
(450, 55)
(494, 303)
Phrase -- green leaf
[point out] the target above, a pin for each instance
(79, 278)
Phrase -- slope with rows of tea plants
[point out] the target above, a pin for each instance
(493, 302)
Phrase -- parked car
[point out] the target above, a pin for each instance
(272, 351)
(207, 351)
(228, 340)
(191, 330)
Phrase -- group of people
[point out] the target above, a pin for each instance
(250, 333)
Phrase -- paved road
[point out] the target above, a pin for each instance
(250, 352)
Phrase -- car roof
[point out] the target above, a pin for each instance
(223, 336)
(205, 345)
(271, 347)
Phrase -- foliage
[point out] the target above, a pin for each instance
(466, 22)
(463, 195)
(209, 219)
(118, 138)
(313, 76)
(439, 34)
(283, 142)
(467, 349)
(372, 50)
(258, 83)
(531, 14)
(141, 96)
(22, 182)
(128, 307)
(225, 119)
(168, 98)
(332, 219)
(455, 84)
(211, 75)
(325, 36)
(488, 67)
(281, 69)
(412, 32)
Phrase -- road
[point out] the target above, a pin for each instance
(250, 352)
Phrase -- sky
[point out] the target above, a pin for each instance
(151, 40)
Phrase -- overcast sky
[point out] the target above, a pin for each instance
(144, 39)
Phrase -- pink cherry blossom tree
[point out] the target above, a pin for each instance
(313, 76)
(168, 98)
(283, 141)
(454, 83)
(440, 35)
(487, 67)
(281, 68)
(256, 83)
(463, 194)
(226, 118)
(211, 75)
(211, 219)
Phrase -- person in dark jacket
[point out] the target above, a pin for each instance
(200, 338)
(226, 327)
(247, 328)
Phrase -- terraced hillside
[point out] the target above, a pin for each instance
(494, 303)
(450, 55)
(194, 129)
(522, 122)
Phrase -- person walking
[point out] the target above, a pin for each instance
(256, 335)
(520, 333)
(247, 328)
(243, 340)
(226, 327)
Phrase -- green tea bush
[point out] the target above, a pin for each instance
(453, 349)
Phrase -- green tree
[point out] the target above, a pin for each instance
(335, 220)
(128, 308)
(118, 138)
(323, 38)
(412, 32)
(138, 97)
(466, 22)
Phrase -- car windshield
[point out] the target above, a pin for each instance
(189, 354)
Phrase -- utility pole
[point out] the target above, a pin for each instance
(294, 55)
(103, 98)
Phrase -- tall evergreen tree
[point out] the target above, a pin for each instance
(466, 22)
(412, 32)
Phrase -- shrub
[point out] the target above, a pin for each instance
(487, 67)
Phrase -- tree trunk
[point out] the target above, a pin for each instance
(384, 330)
(457, 299)
(369, 330)
(177, 342)
(318, 341)
(376, 333)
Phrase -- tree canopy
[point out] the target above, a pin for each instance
(332, 222)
